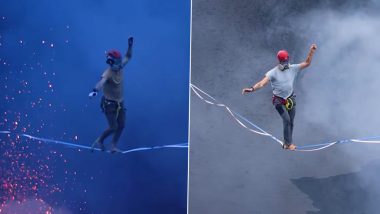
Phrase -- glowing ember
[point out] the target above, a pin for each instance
(29, 171)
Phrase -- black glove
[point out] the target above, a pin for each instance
(130, 41)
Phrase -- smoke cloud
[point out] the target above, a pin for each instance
(31, 206)
(344, 78)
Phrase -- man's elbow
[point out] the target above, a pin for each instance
(305, 64)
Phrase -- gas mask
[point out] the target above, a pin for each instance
(115, 63)
(283, 65)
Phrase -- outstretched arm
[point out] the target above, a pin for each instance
(257, 86)
(307, 62)
(128, 55)
(99, 85)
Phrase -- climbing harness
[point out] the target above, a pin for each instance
(288, 102)
(106, 103)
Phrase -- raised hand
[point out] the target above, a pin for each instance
(313, 47)
(130, 41)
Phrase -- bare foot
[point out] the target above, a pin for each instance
(114, 149)
(291, 147)
(98, 143)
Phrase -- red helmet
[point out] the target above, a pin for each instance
(114, 54)
(282, 56)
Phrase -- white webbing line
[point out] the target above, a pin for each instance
(365, 141)
(317, 149)
(261, 132)
(195, 89)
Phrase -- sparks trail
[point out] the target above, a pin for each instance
(25, 172)
(257, 130)
(78, 146)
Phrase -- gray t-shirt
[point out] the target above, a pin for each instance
(283, 81)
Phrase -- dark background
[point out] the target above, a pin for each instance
(51, 55)
(235, 171)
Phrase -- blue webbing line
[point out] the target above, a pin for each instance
(254, 125)
(182, 145)
(246, 120)
(315, 145)
(299, 148)
(339, 142)
(322, 144)
(72, 145)
(306, 146)
(369, 138)
(5, 132)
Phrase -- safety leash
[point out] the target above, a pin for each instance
(237, 117)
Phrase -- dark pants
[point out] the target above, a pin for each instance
(115, 114)
(287, 118)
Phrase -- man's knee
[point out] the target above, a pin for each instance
(121, 122)
(121, 126)
(286, 121)
(292, 124)
(113, 126)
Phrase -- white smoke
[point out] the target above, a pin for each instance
(31, 206)
(342, 84)
(340, 89)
